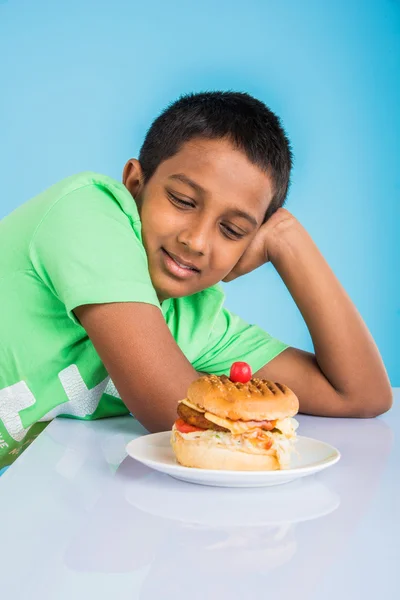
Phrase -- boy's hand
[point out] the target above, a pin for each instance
(264, 244)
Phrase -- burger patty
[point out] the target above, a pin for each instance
(197, 419)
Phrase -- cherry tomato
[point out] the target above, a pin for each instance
(184, 427)
(240, 372)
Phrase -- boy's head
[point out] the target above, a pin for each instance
(213, 167)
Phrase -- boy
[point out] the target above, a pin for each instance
(102, 279)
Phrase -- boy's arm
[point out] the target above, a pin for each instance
(346, 376)
(146, 365)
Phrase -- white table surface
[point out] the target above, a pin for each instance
(80, 520)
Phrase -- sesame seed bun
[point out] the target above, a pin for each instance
(257, 400)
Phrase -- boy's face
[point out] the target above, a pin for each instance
(199, 211)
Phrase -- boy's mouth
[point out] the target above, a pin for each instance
(177, 266)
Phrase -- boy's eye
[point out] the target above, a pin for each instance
(179, 202)
(231, 233)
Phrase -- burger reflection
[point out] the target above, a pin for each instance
(190, 535)
(220, 532)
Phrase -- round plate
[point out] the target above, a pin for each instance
(155, 451)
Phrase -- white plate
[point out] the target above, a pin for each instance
(155, 451)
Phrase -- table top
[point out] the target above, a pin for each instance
(81, 520)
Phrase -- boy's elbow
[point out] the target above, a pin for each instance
(368, 407)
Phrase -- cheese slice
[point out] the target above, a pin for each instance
(287, 426)
(190, 405)
(235, 427)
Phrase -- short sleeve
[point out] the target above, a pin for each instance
(86, 250)
(213, 338)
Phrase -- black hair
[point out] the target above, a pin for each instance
(247, 122)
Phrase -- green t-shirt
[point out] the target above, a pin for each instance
(79, 242)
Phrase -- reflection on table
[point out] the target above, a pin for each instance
(85, 521)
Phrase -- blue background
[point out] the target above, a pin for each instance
(82, 80)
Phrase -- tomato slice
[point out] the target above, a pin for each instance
(184, 427)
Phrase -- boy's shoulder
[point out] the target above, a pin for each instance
(89, 198)
(85, 191)
(82, 183)
(84, 179)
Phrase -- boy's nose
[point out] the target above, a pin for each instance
(195, 238)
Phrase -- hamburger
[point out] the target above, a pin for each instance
(235, 425)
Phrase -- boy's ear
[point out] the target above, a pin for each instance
(132, 177)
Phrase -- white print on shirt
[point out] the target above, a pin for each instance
(111, 390)
(3, 443)
(13, 399)
(82, 402)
